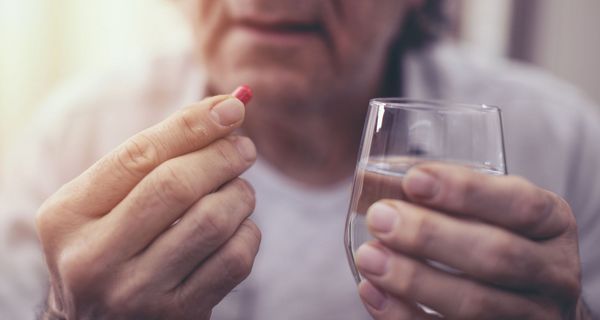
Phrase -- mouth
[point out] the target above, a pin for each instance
(280, 32)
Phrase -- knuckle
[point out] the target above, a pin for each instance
(472, 305)
(502, 255)
(528, 198)
(194, 130)
(179, 305)
(129, 295)
(77, 269)
(247, 195)
(531, 209)
(561, 202)
(563, 279)
(405, 276)
(507, 258)
(139, 155)
(529, 206)
(44, 218)
(572, 285)
(424, 234)
(456, 192)
(230, 157)
(254, 233)
(534, 208)
(120, 301)
(172, 186)
(565, 213)
(238, 262)
(126, 300)
(213, 227)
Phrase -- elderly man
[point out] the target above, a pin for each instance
(159, 228)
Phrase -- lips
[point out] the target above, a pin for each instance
(282, 26)
(280, 32)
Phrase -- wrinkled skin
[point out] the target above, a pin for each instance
(313, 65)
(159, 228)
(514, 245)
(151, 231)
(109, 236)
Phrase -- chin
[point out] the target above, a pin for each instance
(275, 86)
(278, 75)
(278, 86)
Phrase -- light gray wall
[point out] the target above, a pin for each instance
(562, 36)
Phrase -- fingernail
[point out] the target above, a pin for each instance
(246, 148)
(419, 183)
(371, 260)
(382, 218)
(228, 112)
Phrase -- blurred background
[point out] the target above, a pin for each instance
(44, 43)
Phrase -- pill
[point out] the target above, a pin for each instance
(243, 93)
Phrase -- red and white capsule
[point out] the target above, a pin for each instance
(243, 93)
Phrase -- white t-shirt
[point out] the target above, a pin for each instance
(301, 271)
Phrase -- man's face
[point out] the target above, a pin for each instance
(296, 51)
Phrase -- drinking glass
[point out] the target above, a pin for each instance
(400, 133)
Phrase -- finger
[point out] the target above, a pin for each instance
(166, 193)
(452, 296)
(224, 270)
(189, 129)
(487, 253)
(203, 229)
(507, 201)
(385, 307)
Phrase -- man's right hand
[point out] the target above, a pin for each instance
(158, 228)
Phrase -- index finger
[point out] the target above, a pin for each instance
(187, 130)
(507, 201)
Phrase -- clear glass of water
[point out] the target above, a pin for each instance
(400, 133)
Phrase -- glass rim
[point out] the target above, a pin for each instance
(433, 105)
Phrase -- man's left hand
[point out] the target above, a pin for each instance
(511, 249)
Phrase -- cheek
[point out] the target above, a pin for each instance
(211, 23)
(270, 68)
(228, 53)
(242, 53)
(370, 27)
(361, 34)
(358, 33)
